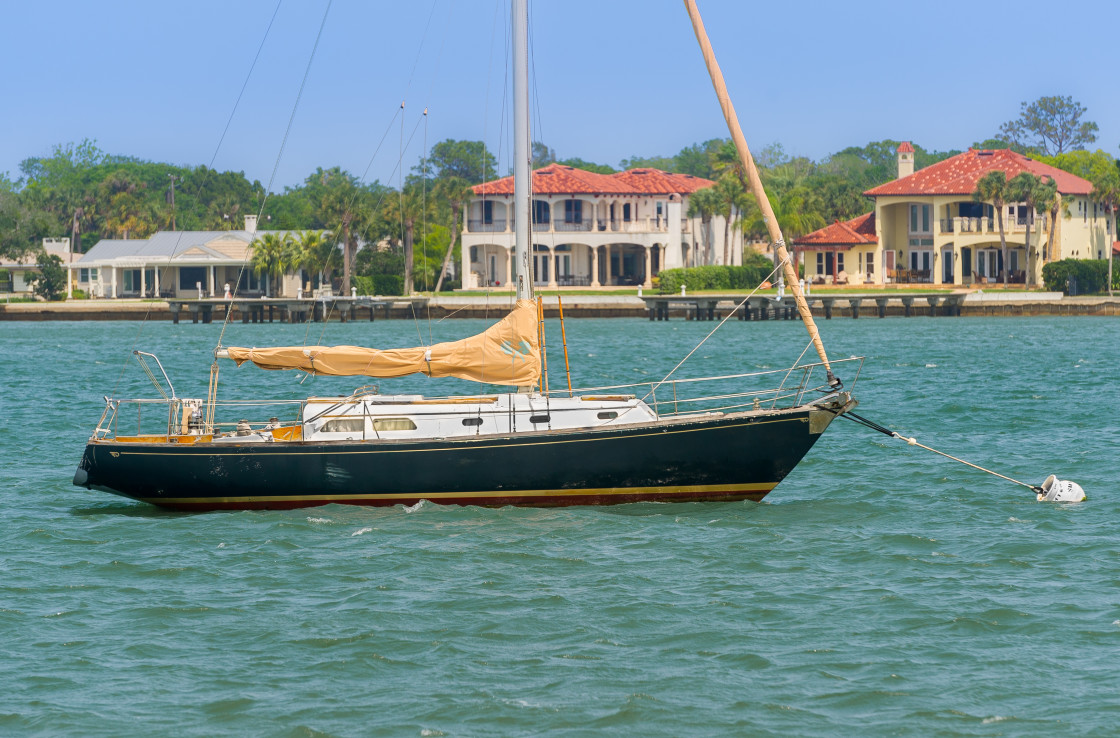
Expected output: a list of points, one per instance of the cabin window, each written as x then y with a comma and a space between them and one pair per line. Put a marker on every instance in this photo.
539, 418
472, 421
344, 425
393, 424
607, 415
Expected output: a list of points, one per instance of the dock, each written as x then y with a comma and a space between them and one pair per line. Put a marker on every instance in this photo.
708, 307
287, 310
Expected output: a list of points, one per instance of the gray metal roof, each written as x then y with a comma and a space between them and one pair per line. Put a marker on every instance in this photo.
165, 244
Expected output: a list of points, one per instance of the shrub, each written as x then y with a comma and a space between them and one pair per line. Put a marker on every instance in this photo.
379, 284
50, 282
745, 277
1077, 276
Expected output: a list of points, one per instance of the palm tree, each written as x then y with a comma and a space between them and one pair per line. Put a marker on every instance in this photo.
273, 255
731, 197
1106, 192
992, 188
456, 191
314, 251
413, 204
1026, 188
704, 204
1050, 202
794, 213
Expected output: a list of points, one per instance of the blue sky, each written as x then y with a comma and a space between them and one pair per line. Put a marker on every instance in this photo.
614, 78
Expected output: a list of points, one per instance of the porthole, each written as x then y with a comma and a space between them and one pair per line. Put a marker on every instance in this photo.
472, 421
538, 418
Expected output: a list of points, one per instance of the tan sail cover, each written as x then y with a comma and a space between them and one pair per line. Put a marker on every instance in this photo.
505, 353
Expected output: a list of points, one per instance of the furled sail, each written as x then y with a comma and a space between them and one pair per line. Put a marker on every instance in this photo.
505, 353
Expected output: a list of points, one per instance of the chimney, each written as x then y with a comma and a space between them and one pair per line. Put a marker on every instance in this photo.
905, 159
250, 224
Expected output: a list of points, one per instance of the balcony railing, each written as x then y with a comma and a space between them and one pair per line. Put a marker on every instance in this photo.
481, 226
571, 225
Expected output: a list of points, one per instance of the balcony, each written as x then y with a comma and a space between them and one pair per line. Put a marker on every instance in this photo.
571, 225
492, 226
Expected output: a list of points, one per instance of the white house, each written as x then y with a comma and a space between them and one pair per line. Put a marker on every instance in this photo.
176, 264
594, 230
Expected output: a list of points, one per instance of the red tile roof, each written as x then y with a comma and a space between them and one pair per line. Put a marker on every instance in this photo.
1116, 248
560, 179
905, 148
959, 174
854, 232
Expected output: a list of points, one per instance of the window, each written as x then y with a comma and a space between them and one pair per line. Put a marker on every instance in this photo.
472, 421
393, 424
190, 276
919, 218
538, 419
870, 261
344, 425
607, 415
540, 211
839, 263
626, 212
488, 212
820, 262
87, 275
573, 211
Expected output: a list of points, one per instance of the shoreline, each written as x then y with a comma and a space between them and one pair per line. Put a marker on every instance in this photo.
598, 306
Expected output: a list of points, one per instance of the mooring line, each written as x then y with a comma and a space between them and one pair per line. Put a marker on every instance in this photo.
867, 423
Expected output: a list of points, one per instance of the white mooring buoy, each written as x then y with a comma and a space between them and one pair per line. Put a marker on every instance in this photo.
1060, 490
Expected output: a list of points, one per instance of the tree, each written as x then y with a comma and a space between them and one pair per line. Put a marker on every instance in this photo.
50, 282
704, 204
1051, 125
1050, 202
1026, 188
314, 251
273, 255
455, 192
469, 160
993, 188
542, 155
731, 199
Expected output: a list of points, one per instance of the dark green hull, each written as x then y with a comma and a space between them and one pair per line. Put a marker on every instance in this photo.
729, 457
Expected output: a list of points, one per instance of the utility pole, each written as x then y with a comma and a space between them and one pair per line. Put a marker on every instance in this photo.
173, 178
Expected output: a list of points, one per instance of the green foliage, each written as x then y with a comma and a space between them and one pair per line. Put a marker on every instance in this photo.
50, 282
470, 160
717, 277
379, 284
1050, 125
1091, 275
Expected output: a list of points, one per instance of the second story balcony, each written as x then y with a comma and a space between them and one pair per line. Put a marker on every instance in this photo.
586, 225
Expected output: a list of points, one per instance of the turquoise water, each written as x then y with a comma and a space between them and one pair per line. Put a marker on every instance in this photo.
879, 589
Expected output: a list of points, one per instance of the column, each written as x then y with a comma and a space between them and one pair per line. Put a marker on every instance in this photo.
210, 282
648, 281
610, 263
113, 277
143, 279
594, 265
509, 268
552, 266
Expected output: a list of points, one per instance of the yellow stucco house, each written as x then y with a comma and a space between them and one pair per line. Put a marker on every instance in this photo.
926, 228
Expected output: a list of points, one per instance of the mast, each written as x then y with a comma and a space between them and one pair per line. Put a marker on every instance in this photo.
522, 194
754, 184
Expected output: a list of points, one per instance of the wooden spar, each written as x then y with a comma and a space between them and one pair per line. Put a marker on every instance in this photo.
754, 183
540, 335
564, 338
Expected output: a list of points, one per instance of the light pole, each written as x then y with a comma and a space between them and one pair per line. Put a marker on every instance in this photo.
173, 178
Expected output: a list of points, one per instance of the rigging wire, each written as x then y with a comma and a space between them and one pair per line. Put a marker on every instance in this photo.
198, 189
280, 153
727, 317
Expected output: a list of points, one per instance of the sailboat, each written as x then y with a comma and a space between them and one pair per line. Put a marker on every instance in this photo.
696, 439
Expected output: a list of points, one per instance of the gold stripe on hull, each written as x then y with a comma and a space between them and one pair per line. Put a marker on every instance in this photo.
710, 491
